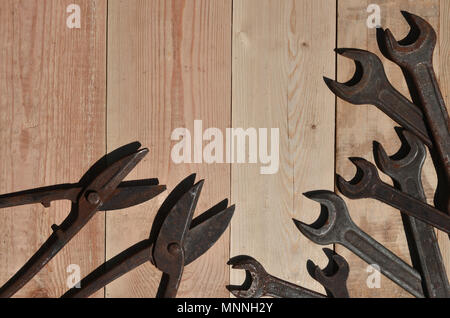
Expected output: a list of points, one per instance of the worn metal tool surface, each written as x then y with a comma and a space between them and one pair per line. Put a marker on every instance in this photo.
128, 193
260, 284
367, 184
175, 241
415, 56
424, 249
370, 85
87, 200
335, 226
335, 283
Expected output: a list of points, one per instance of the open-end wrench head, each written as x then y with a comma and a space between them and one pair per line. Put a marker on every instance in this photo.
362, 185
412, 48
329, 228
369, 77
337, 281
399, 168
255, 271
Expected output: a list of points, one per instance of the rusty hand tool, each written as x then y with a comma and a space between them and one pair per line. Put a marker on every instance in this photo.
89, 199
263, 284
177, 242
259, 283
373, 87
416, 59
338, 228
127, 194
367, 184
425, 253
335, 283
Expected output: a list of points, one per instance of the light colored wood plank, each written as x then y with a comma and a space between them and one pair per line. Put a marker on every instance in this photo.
358, 126
52, 101
311, 115
443, 69
168, 65
278, 64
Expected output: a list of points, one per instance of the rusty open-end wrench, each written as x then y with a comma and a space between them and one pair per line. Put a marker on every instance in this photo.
336, 227
367, 184
371, 86
406, 173
259, 283
416, 59
334, 281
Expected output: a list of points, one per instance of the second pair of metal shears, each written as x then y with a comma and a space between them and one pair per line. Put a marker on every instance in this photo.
175, 241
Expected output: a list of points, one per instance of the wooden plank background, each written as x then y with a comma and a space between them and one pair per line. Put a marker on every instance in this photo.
52, 130
138, 69
277, 82
173, 70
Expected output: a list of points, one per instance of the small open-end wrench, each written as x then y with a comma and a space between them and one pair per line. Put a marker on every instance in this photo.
338, 228
260, 284
417, 60
334, 282
406, 172
367, 184
371, 86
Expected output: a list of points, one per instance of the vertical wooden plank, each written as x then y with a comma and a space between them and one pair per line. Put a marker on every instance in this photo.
444, 82
278, 64
359, 126
52, 119
311, 117
168, 65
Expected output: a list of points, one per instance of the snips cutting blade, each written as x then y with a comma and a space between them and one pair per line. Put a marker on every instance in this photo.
98, 192
175, 241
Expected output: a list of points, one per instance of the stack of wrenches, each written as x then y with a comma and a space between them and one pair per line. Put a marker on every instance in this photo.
425, 123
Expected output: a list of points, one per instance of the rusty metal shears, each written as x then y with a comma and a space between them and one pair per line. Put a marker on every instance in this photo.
104, 191
175, 241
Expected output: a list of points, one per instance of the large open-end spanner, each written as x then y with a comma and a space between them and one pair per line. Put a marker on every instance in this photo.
371, 86
367, 184
259, 283
406, 173
416, 58
338, 228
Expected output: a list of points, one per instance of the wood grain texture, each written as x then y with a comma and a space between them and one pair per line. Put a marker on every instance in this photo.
169, 63
52, 119
278, 64
359, 126
229, 63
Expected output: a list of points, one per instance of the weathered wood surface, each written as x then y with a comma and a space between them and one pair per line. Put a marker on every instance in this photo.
168, 65
52, 119
278, 64
68, 96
